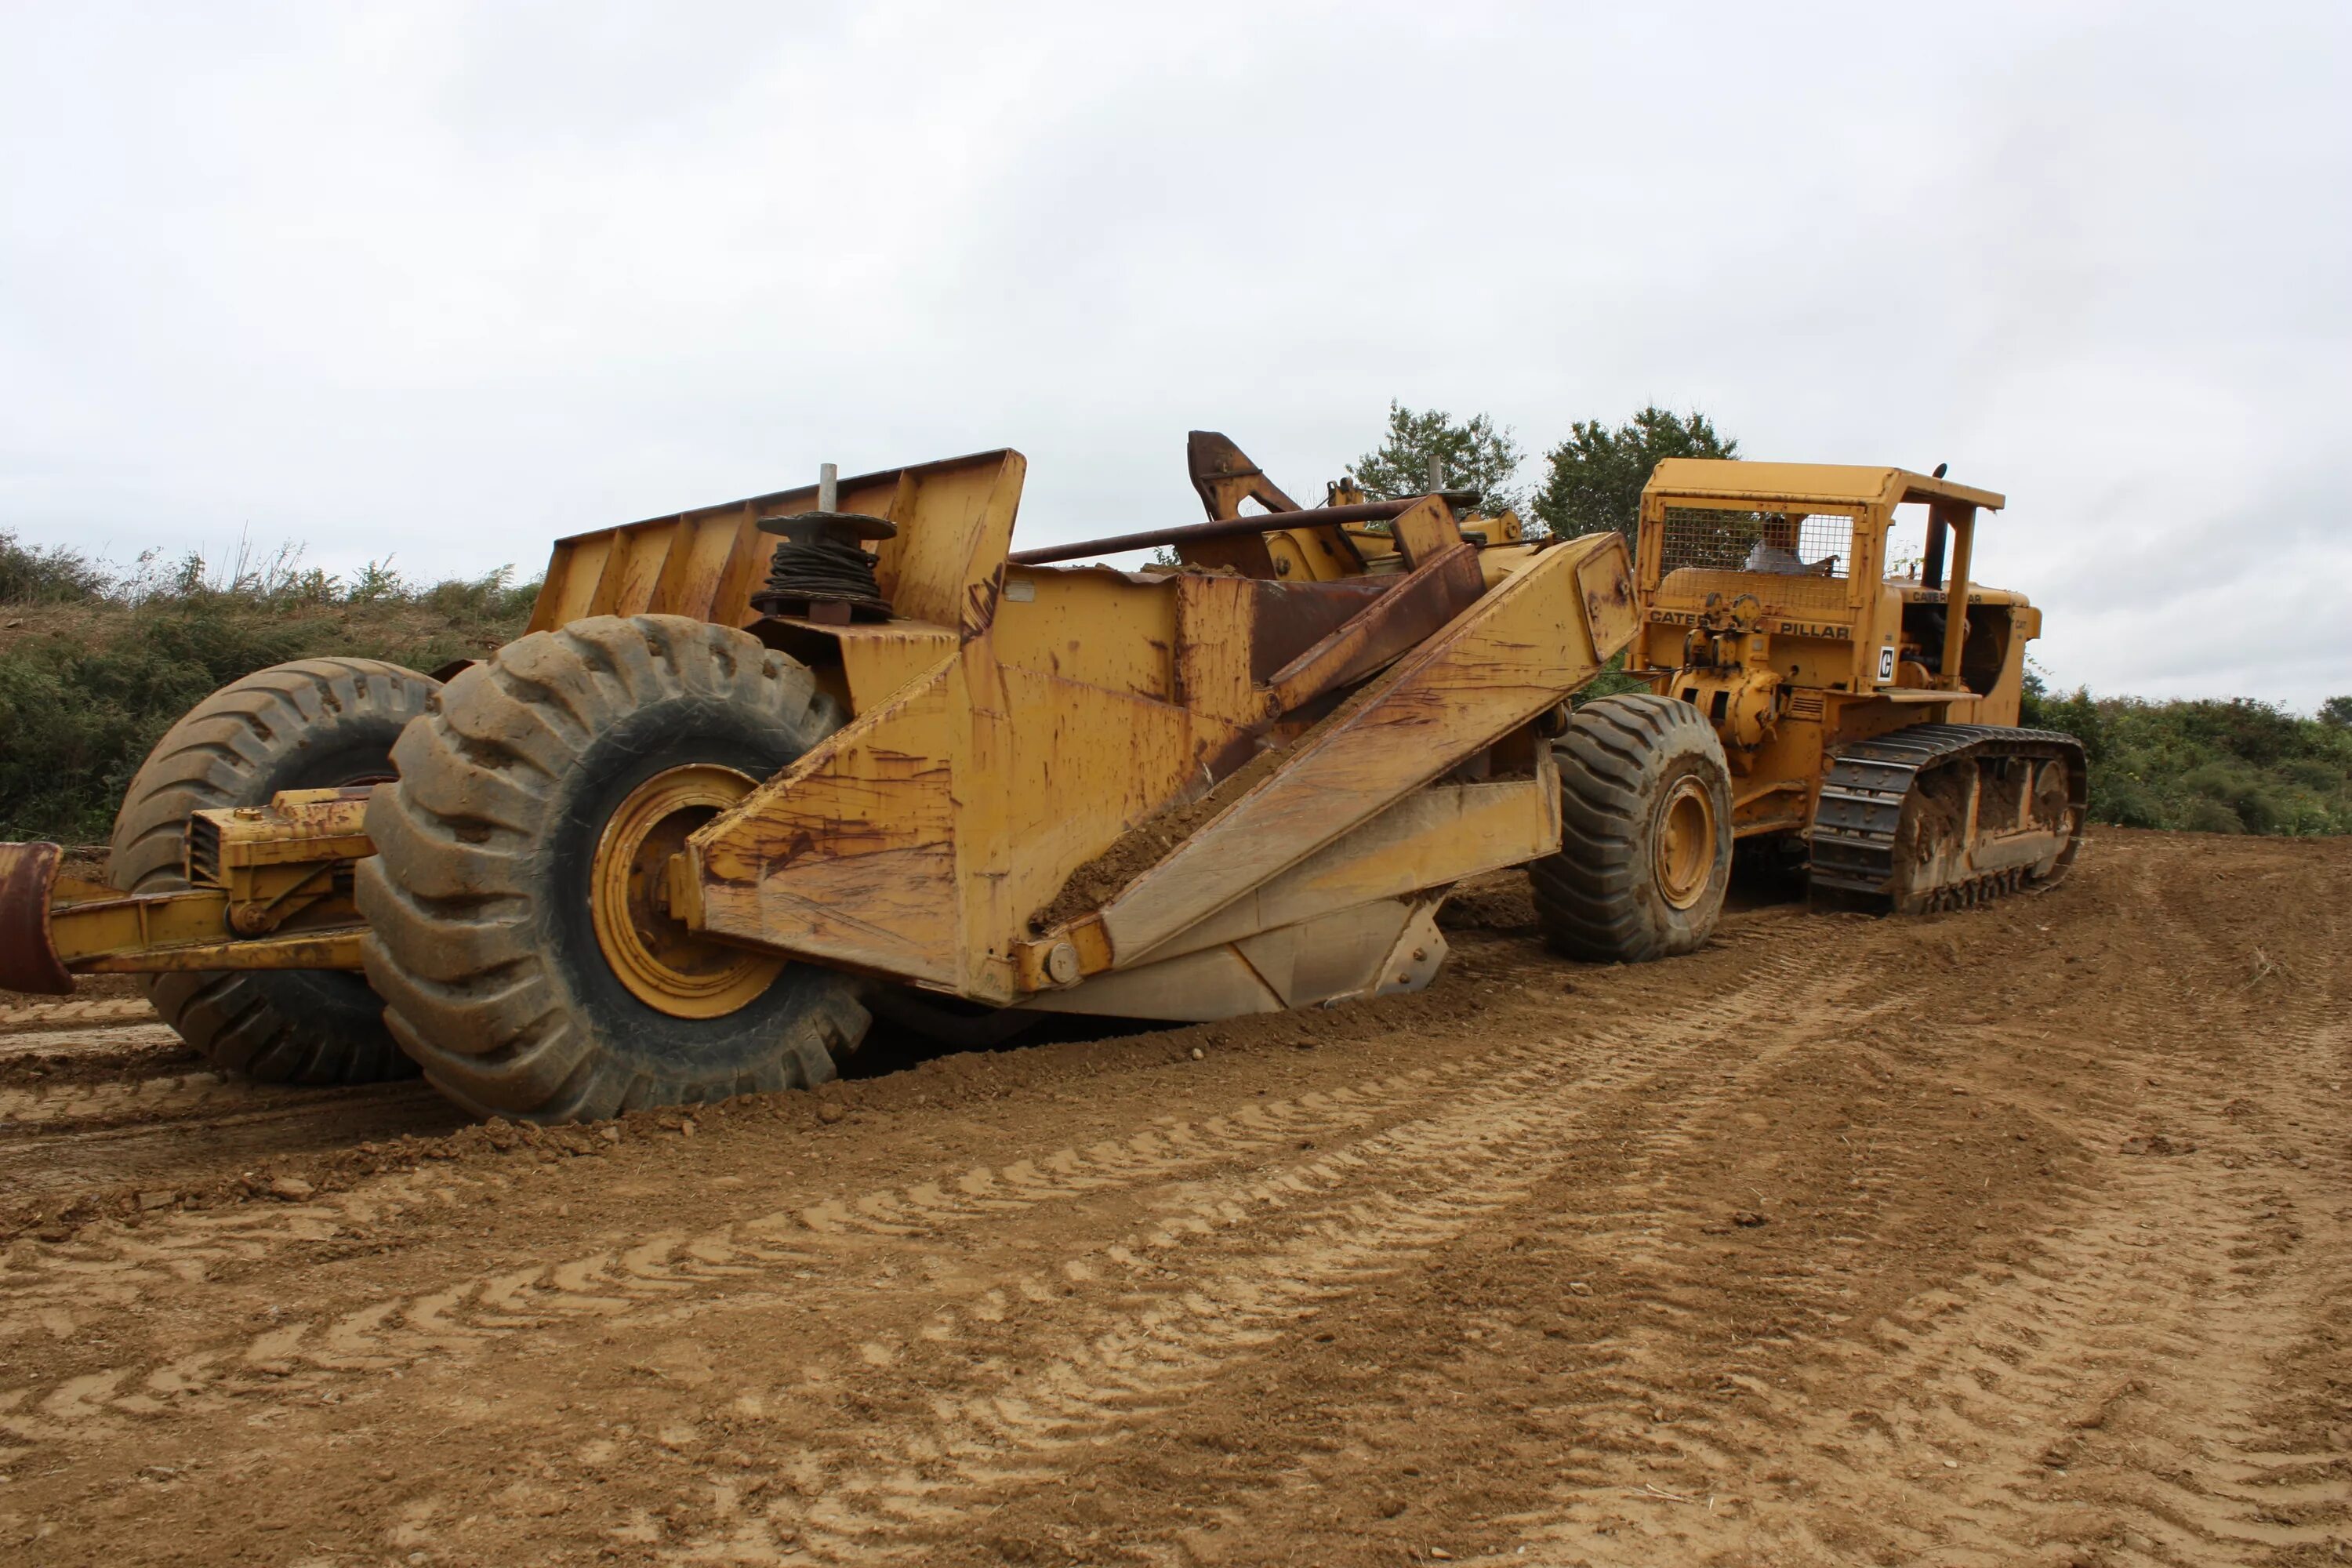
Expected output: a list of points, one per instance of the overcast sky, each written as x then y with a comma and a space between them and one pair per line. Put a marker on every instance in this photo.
443, 281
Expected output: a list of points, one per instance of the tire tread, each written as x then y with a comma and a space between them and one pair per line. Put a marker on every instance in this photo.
1591, 896
222, 754
457, 932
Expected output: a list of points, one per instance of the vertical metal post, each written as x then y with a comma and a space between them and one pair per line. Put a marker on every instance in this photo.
1437, 473
1956, 597
828, 486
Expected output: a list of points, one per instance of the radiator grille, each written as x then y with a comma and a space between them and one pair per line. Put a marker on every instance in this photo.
203, 866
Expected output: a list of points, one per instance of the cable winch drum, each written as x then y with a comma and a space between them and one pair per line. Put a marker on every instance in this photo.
821, 564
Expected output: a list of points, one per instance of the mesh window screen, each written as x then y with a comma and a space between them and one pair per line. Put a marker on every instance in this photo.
1716, 539
1825, 543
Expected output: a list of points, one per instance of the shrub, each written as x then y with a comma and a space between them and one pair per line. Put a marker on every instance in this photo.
2210, 766
80, 709
52, 576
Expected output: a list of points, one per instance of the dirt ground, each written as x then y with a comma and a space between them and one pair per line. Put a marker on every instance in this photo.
2021, 1235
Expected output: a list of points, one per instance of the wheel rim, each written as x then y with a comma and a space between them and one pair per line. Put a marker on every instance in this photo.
1682, 849
665, 963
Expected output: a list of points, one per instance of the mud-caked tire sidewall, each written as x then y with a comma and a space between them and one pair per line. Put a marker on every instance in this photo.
482, 938
315, 723
1619, 760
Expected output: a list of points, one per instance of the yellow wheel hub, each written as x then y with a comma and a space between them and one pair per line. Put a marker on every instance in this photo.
1683, 848
664, 963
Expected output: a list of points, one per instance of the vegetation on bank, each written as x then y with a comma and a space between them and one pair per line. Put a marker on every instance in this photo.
95, 665
2208, 765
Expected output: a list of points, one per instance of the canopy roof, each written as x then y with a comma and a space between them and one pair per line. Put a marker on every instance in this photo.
1842, 484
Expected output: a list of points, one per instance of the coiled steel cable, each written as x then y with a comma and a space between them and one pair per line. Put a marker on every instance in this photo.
820, 560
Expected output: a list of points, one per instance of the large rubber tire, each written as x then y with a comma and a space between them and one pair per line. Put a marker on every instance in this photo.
481, 926
1624, 766
315, 723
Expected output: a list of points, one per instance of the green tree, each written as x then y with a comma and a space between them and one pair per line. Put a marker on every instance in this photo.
2337, 710
1476, 456
1593, 479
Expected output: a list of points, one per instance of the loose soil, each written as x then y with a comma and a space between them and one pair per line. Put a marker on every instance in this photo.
2022, 1235
1147, 843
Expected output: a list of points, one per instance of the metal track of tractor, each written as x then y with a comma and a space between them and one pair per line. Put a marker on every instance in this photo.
1862, 803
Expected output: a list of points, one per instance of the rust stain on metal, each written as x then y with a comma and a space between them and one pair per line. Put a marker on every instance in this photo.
1424, 529
1414, 610
1251, 526
1288, 618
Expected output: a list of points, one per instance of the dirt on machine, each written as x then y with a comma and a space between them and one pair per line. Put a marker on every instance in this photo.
758, 772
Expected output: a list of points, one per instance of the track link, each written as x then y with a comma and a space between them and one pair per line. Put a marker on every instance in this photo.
1858, 819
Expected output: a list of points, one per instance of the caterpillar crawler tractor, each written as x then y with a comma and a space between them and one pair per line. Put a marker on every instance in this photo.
1869, 730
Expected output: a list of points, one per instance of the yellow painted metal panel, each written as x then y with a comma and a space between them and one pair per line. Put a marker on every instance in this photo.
1071, 767
1422, 602
1105, 628
633, 567
918, 841
696, 566
948, 553
571, 584
1211, 633
1727, 479
955, 522
1424, 532
1377, 948
849, 855
1431, 837
879, 660
1612, 616
1215, 983
1522, 648
1340, 953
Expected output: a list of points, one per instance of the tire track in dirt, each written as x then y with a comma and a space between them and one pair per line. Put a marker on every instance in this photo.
95, 1105
298, 1359
1955, 1396
1107, 1381
1627, 1237
117, 1268
193, 1133
651, 1269
88, 1013
90, 1106
2152, 1351
987, 1406
1504, 1300
1966, 1342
